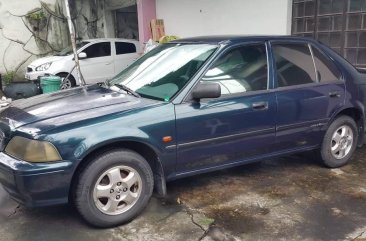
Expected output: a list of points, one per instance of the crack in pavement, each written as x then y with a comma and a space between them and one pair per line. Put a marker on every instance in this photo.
360, 235
204, 234
14, 212
205, 231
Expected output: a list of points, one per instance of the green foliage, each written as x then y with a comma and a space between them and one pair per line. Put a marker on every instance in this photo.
206, 221
37, 16
8, 77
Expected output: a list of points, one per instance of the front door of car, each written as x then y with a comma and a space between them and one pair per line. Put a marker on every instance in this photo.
99, 64
235, 127
309, 91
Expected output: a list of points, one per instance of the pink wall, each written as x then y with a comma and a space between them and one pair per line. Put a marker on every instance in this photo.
146, 10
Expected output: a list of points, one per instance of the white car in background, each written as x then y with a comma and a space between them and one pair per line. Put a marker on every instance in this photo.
100, 59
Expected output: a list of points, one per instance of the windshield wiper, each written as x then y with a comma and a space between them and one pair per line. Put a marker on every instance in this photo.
107, 82
128, 90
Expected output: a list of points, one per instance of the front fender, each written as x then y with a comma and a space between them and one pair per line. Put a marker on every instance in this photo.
85, 147
148, 125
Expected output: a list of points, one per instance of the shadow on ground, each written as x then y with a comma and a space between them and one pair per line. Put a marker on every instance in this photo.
291, 198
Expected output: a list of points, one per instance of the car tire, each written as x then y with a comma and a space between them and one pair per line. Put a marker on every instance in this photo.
68, 83
340, 142
113, 188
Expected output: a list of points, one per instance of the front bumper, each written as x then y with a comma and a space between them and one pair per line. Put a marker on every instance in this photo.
35, 74
36, 185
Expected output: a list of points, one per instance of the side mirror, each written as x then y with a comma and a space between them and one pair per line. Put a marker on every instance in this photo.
206, 90
82, 55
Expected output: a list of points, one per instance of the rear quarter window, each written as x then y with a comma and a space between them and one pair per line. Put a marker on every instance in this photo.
125, 48
326, 69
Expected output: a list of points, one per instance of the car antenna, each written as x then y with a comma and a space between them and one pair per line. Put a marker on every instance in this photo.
73, 43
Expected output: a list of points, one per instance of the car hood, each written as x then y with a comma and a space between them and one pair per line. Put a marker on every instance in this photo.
70, 106
45, 60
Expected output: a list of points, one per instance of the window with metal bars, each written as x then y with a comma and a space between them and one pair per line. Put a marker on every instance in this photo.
340, 24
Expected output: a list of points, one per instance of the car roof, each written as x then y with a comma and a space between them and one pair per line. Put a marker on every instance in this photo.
219, 39
109, 39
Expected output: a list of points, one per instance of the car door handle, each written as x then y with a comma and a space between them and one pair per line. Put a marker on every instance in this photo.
335, 94
262, 105
108, 63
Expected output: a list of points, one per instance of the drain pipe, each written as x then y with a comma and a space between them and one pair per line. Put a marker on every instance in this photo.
73, 42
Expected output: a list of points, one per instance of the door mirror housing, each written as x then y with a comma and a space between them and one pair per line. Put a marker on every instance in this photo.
82, 55
206, 90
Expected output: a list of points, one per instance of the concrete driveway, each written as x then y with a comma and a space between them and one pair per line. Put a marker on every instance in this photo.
292, 198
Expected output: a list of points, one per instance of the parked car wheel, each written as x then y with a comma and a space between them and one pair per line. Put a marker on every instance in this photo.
68, 83
113, 188
340, 142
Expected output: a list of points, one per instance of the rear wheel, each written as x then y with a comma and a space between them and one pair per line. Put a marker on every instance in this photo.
67, 83
114, 188
340, 142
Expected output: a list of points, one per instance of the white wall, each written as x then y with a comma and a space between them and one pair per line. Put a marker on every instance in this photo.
186, 18
18, 46
15, 54
182, 17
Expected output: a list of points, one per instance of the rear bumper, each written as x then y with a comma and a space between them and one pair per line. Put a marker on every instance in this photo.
36, 185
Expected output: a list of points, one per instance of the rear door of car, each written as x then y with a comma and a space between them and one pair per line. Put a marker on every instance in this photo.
126, 53
309, 90
99, 65
239, 125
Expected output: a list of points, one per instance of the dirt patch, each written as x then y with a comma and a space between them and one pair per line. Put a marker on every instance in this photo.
238, 219
358, 193
210, 189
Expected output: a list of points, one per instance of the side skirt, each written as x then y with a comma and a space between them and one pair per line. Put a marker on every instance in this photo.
175, 176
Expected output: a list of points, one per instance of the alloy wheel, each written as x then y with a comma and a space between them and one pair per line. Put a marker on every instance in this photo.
342, 141
117, 190
66, 84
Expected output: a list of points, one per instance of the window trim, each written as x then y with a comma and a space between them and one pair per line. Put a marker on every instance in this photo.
313, 59
291, 87
188, 97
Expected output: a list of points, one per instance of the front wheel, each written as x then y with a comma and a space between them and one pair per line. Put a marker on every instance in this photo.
339, 142
67, 83
114, 188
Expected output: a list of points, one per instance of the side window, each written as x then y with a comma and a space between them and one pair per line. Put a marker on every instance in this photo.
125, 48
98, 50
294, 64
326, 70
240, 70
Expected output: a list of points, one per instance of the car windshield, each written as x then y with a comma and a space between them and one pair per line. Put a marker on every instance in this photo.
164, 71
69, 50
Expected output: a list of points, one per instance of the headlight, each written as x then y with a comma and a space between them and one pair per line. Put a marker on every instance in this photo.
44, 67
32, 150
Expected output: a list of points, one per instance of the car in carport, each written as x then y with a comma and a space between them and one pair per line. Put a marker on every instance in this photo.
187, 107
